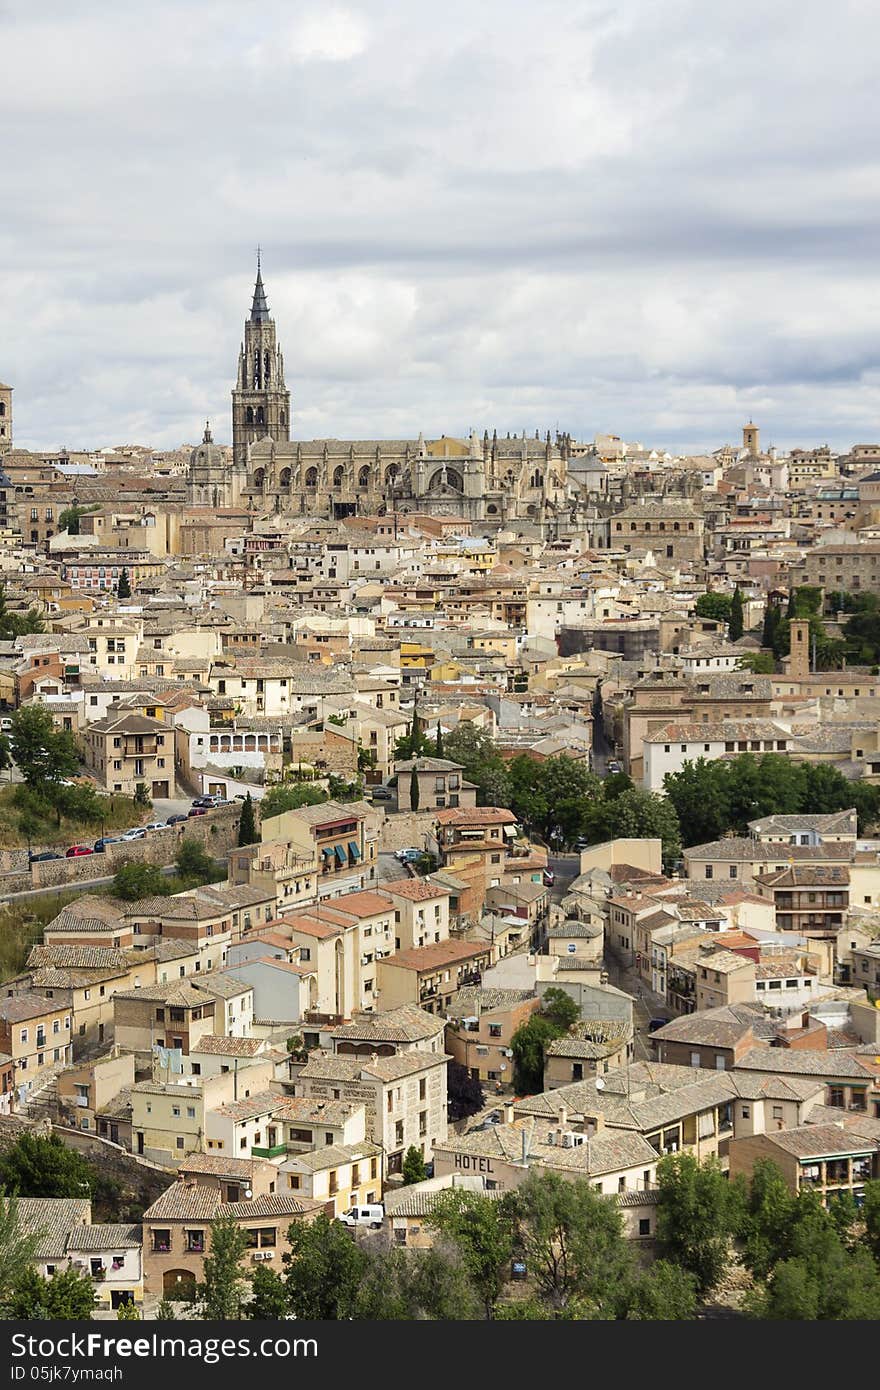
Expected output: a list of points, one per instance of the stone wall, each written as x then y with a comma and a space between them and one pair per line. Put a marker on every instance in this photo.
405, 828
217, 832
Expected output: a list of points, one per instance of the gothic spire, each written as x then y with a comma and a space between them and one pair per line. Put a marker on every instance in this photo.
259, 308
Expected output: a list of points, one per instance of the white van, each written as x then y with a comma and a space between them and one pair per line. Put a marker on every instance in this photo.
372, 1215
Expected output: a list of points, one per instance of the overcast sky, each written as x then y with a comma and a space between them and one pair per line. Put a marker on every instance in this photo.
656, 218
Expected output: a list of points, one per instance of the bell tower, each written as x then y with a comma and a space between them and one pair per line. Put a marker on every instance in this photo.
260, 400
5, 417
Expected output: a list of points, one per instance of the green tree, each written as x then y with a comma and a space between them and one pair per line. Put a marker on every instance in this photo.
43, 754
552, 797
193, 862
573, 1243
135, 880
68, 1296
871, 1217
128, 1312
481, 763
220, 1294
269, 1301
735, 626
698, 795
414, 1169
142, 796
529, 1047
560, 1008
759, 663
464, 1093
39, 1165
123, 588
664, 1293
483, 1232
768, 1218
693, 1220
639, 815
771, 623
17, 1247
715, 607
323, 1270
247, 826
441, 1287
438, 742
14, 625
414, 788
5, 753
290, 796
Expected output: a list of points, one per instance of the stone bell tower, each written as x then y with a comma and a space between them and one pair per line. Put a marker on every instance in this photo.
5, 417
260, 401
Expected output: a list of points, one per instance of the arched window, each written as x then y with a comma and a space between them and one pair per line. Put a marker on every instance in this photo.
619, 526
364, 477
676, 526
2, 407
537, 479
249, 415
259, 477
283, 418
338, 475
284, 480
632, 525
311, 477
266, 368
647, 525
690, 526
261, 415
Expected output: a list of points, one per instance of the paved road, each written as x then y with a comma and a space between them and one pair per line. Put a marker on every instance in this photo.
390, 868
163, 807
566, 868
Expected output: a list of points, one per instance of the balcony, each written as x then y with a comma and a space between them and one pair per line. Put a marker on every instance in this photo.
274, 1151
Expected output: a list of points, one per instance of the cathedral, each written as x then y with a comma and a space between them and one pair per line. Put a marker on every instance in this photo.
492, 480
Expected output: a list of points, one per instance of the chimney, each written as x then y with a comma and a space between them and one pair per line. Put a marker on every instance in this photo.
507, 1114
594, 1124
561, 1116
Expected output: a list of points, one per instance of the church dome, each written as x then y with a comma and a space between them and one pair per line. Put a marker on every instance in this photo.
207, 454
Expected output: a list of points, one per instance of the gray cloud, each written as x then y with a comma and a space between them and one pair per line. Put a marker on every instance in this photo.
656, 219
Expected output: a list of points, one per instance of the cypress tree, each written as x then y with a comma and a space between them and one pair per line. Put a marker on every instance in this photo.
123, 588
247, 826
439, 740
414, 786
735, 627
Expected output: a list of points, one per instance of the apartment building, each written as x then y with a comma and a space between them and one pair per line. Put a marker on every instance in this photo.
36, 1034
430, 975
828, 1159
130, 750
480, 1025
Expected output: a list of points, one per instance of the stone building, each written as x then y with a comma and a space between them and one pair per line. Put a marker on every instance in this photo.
493, 480
5, 417
211, 479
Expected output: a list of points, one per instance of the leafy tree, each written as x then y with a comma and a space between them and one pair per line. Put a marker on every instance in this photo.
573, 1243
165, 1311
464, 1093
615, 784
715, 607
768, 1218
735, 627
290, 796
142, 796
560, 1008
193, 861
441, 1287
323, 1270
123, 587
247, 826
483, 1231
438, 742
481, 763
14, 625
127, 1312
664, 1293
269, 1301
219, 1296
135, 880
529, 1047
17, 1247
39, 1165
871, 1217
414, 793
43, 754
5, 753
760, 663
637, 814
693, 1221
414, 1169
552, 797
69, 1295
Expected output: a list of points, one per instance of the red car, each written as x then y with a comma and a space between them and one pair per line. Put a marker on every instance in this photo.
198, 811
76, 850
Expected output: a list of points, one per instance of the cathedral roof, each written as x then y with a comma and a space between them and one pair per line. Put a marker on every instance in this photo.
259, 308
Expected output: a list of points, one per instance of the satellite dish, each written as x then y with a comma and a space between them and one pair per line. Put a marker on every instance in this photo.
600, 1083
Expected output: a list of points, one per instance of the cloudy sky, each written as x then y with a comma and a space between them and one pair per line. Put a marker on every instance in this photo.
651, 217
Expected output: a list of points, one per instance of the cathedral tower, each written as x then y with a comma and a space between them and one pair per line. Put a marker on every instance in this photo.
260, 401
5, 417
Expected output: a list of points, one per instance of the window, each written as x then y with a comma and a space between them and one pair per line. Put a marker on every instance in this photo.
644, 1225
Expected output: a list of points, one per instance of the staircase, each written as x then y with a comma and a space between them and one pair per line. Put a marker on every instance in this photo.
42, 1101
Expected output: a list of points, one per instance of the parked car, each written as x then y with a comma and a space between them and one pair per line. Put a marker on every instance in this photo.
614, 765
380, 793
5, 726
655, 1023
45, 854
137, 832
101, 845
372, 1215
549, 878
406, 856
155, 825
76, 850
209, 801
175, 820
196, 811
580, 844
